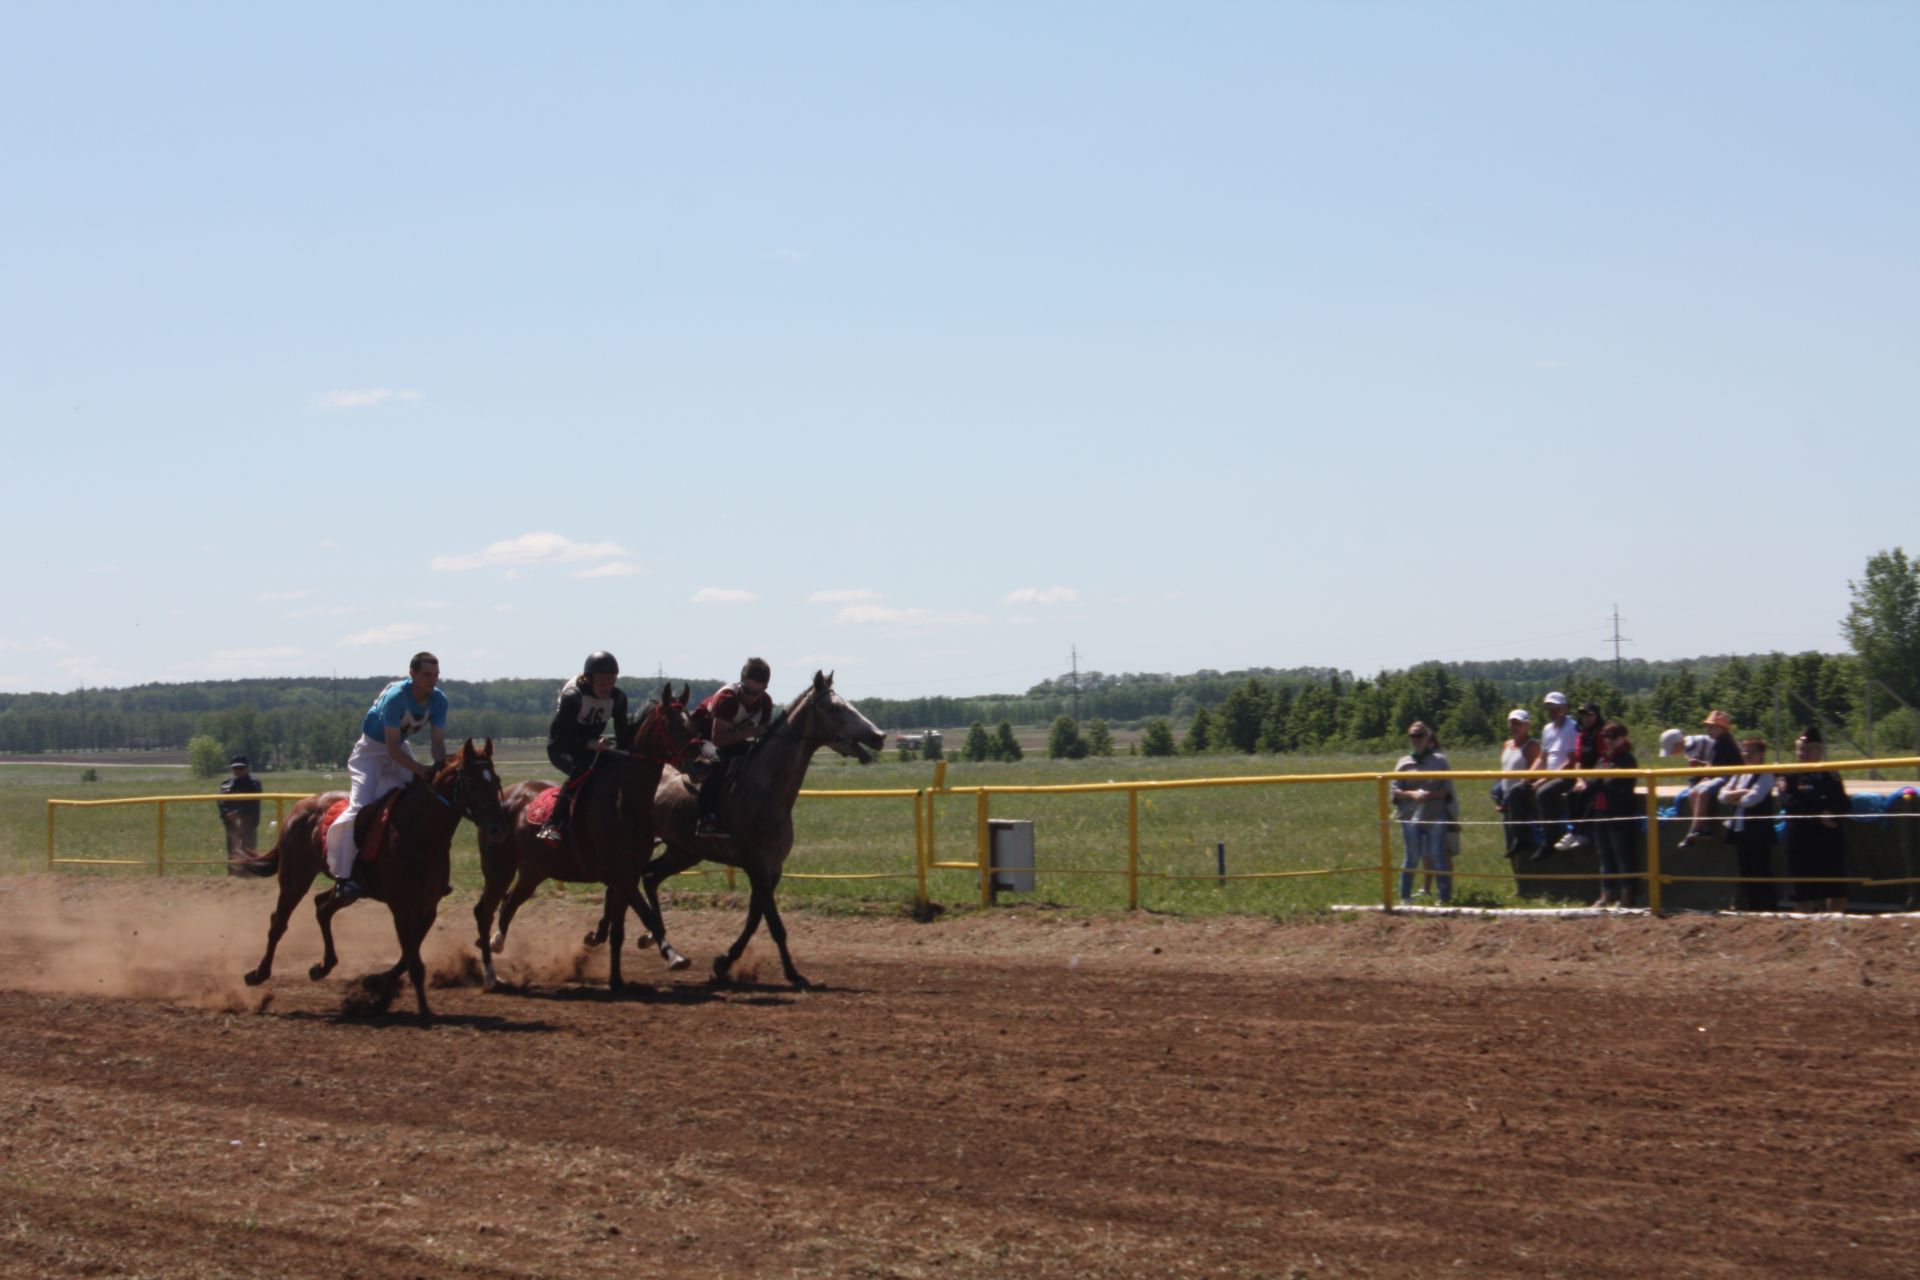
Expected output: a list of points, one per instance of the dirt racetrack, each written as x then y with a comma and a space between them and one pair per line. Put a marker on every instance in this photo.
1022, 1092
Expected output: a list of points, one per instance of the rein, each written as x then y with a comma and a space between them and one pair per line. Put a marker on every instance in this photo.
662, 752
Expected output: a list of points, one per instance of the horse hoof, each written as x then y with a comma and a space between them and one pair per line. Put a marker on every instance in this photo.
799, 983
676, 961
253, 977
317, 972
644, 941
499, 942
591, 940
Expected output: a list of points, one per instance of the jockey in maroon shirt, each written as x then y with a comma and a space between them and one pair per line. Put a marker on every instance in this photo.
731, 720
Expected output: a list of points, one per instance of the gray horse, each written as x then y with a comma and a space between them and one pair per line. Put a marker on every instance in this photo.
758, 811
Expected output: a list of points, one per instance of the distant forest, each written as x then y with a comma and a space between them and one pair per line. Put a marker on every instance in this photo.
302, 722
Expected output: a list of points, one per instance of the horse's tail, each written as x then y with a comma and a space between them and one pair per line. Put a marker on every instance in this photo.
257, 864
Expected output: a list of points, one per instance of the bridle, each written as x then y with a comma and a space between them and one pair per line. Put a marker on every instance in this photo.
656, 744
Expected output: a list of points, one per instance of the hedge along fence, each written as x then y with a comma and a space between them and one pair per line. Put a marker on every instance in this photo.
925, 803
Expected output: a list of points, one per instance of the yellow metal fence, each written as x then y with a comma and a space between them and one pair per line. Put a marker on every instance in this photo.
926, 856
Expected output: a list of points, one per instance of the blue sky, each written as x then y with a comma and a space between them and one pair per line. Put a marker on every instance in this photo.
927, 342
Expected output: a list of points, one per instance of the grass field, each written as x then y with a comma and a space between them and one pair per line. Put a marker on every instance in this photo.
1081, 838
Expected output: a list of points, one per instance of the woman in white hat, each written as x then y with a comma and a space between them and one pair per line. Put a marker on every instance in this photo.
1513, 797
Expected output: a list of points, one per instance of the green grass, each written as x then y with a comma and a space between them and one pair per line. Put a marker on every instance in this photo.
1081, 839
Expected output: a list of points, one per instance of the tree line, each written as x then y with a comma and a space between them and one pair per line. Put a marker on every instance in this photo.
312, 722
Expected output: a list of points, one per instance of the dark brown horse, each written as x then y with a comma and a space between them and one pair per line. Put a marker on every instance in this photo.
411, 873
758, 811
608, 840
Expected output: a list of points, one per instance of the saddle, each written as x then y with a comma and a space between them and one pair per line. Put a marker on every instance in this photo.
370, 827
540, 808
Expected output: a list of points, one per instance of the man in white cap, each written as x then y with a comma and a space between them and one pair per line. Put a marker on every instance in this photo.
1559, 738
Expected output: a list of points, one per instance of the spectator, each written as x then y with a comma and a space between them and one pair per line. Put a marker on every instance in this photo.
1816, 845
1723, 752
1612, 809
1751, 796
1513, 797
1424, 811
241, 818
1588, 748
1558, 738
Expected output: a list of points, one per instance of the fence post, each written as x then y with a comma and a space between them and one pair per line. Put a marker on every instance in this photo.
983, 847
49, 835
160, 839
1386, 844
1133, 849
1653, 844
920, 848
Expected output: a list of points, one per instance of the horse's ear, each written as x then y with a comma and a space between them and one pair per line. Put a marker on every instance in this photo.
666, 693
686, 692
466, 752
822, 681
488, 751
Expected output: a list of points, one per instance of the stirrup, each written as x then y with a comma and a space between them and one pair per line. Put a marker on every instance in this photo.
549, 832
348, 890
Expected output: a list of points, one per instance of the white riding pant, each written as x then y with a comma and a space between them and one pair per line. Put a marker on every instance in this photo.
375, 775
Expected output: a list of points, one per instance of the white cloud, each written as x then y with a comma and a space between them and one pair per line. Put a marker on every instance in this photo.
850, 595
1043, 595
612, 569
393, 633
39, 644
529, 548
871, 614
325, 611
1020, 620
366, 399
268, 654
270, 597
723, 595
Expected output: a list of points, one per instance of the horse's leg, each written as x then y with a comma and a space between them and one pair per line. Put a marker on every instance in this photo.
614, 920
605, 925
296, 877
777, 928
413, 932
524, 884
756, 907
670, 863
491, 893
323, 908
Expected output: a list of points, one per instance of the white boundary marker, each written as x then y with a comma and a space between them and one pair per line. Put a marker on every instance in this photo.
1587, 913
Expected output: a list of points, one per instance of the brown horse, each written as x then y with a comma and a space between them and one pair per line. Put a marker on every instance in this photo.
607, 842
410, 875
758, 811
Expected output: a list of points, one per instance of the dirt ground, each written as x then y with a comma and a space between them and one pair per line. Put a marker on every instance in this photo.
1020, 1092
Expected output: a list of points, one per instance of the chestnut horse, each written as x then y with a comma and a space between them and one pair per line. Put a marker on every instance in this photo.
608, 840
758, 811
411, 873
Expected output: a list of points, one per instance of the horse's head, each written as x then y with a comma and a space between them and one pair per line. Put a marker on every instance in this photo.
663, 733
470, 782
824, 717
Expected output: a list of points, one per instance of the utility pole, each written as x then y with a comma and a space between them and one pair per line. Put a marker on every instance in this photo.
1076, 683
1618, 640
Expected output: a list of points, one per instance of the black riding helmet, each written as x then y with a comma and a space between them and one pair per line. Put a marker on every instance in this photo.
601, 662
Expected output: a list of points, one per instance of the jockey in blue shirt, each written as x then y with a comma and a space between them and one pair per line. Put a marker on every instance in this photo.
382, 761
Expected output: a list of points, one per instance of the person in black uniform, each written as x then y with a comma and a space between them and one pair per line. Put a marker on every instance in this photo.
1814, 803
240, 817
587, 703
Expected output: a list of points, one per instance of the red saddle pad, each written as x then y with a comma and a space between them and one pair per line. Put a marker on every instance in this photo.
377, 828
540, 808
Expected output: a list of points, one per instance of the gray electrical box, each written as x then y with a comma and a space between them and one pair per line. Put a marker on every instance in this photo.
1010, 846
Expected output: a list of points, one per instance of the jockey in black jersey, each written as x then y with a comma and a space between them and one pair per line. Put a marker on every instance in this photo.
587, 703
